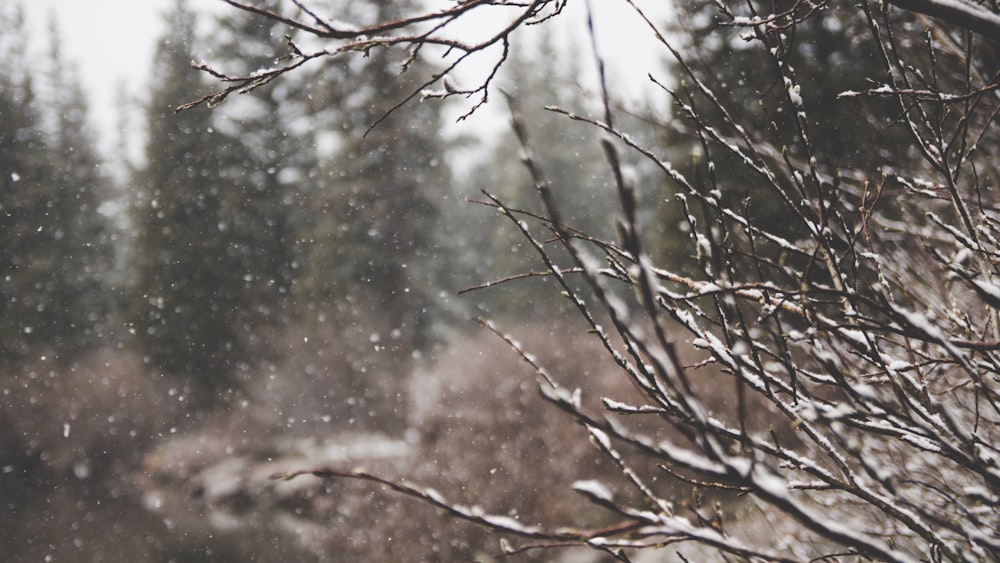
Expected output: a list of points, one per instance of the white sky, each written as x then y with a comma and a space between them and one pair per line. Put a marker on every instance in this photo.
112, 42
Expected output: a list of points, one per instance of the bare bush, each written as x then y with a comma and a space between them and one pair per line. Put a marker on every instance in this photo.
72, 434
88, 419
868, 323
328, 377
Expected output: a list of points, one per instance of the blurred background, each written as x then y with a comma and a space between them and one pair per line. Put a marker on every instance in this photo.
192, 302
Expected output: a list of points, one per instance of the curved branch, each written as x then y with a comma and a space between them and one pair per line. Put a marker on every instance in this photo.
957, 12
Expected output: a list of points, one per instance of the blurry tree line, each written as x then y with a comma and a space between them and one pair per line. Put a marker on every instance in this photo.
56, 243
284, 207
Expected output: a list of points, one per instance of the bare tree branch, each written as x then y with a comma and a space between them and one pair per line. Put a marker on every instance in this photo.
962, 13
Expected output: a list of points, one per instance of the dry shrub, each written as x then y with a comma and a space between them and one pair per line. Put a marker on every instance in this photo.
70, 435
328, 378
490, 439
480, 432
92, 418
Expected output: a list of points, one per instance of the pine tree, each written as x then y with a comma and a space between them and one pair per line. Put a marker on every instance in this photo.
371, 266
54, 249
190, 305
87, 254
271, 158
23, 174
372, 253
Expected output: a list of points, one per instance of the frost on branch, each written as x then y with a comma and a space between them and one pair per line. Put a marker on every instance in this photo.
823, 366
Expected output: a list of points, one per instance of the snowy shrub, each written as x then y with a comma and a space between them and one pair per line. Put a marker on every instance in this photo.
856, 329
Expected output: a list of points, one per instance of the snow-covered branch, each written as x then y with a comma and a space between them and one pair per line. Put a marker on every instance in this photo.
828, 351
962, 13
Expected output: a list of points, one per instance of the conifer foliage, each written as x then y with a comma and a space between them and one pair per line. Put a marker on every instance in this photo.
370, 264
52, 270
270, 158
373, 243
189, 306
